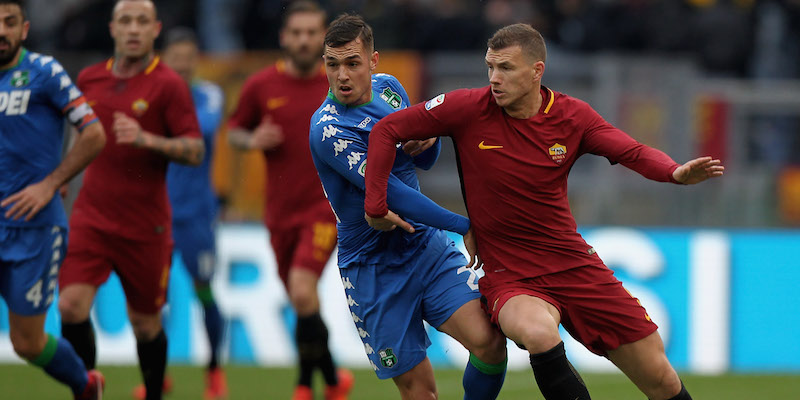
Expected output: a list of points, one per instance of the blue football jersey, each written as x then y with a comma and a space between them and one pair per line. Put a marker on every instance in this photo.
35, 97
338, 139
189, 188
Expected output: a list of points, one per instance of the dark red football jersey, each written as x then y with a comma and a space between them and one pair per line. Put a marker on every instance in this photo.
514, 173
124, 191
293, 193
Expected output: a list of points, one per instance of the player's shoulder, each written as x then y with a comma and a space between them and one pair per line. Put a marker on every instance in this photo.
97, 69
159, 71
384, 79
564, 105
328, 121
35, 66
388, 88
39, 61
463, 99
263, 76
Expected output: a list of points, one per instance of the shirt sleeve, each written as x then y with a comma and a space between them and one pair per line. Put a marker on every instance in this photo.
180, 113
66, 97
346, 154
247, 114
426, 159
440, 116
603, 139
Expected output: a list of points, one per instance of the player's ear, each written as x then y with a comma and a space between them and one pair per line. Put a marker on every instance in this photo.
158, 28
25, 27
373, 61
538, 70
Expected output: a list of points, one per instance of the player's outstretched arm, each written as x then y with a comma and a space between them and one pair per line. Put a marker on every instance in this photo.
698, 170
182, 150
30, 200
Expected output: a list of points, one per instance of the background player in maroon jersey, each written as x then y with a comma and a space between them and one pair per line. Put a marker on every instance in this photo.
121, 220
517, 141
273, 115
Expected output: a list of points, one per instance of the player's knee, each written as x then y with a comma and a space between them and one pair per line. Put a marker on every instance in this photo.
666, 381
27, 346
538, 339
416, 389
145, 328
72, 309
304, 298
489, 346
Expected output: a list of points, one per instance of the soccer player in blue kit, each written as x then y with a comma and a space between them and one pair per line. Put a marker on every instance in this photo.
396, 279
35, 97
194, 204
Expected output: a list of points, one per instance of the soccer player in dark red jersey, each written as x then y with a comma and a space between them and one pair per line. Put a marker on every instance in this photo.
121, 220
273, 115
516, 141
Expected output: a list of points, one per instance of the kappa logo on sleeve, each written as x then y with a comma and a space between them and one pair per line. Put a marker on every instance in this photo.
436, 101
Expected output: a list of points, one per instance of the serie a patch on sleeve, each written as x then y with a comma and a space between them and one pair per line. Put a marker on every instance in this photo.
434, 102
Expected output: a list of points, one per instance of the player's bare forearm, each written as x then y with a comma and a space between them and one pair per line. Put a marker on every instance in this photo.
240, 139
86, 147
30, 200
189, 151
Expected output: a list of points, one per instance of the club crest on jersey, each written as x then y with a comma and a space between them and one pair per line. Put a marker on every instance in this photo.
388, 359
20, 78
558, 153
362, 169
392, 98
434, 102
140, 106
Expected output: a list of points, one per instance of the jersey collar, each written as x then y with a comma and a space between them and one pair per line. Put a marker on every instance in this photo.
333, 97
147, 71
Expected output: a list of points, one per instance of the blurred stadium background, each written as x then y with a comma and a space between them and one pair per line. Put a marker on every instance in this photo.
715, 264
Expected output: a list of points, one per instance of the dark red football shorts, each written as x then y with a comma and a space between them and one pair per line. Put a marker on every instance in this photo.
595, 309
142, 267
308, 246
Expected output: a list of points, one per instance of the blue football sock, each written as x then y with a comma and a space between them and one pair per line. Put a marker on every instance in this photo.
483, 381
61, 362
214, 324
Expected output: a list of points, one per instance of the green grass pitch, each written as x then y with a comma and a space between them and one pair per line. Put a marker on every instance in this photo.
25, 382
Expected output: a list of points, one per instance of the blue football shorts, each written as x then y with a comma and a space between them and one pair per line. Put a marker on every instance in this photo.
389, 304
29, 262
194, 241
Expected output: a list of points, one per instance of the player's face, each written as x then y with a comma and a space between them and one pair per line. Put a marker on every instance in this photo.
13, 30
182, 57
302, 39
134, 28
513, 77
349, 69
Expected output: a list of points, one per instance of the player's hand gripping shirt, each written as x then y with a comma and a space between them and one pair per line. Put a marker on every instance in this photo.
124, 190
514, 173
338, 139
189, 188
35, 96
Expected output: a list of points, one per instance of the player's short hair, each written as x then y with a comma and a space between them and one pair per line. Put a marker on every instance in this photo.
303, 6
523, 35
20, 3
180, 34
348, 27
155, 9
